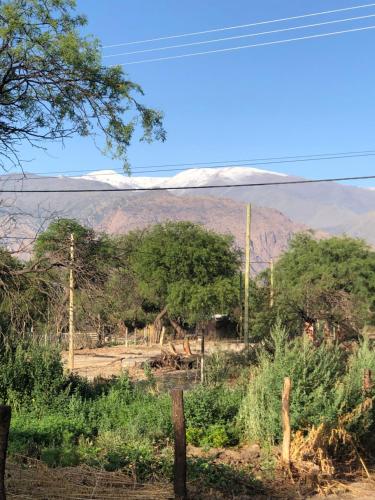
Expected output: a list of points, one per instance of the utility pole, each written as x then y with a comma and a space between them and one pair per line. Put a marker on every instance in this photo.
71, 306
247, 274
271, 284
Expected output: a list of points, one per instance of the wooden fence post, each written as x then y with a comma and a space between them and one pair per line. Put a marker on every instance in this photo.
202, 357
285, 454
367, 381
187, 348
179, 477
5, 414
162, 334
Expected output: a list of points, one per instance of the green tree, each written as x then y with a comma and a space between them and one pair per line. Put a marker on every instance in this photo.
187, 272
331, 279
54, 243
93, 260
53, 84
23, 298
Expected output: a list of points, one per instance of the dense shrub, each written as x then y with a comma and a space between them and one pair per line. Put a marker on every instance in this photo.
121, 424
326, 383
31, 374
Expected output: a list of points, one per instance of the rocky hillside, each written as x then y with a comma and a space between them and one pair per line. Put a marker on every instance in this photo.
331, 207
118, 213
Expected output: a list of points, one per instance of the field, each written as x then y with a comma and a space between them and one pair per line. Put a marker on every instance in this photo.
112, 361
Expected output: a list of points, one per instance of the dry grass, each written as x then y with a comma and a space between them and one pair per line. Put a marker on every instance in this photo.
324, 455
325, 446
31, 479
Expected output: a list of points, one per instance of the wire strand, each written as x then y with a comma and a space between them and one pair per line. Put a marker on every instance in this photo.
168, 167
180, 188
240, 26
248, 35
241, 47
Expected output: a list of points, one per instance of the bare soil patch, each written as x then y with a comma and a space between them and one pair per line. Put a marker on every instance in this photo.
109, 361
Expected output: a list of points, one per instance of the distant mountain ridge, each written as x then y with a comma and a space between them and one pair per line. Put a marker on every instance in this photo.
331, 207
121, 212
279, 211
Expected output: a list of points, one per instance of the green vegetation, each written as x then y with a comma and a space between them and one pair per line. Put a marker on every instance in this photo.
177, 272
187, 269
119, 424
330, 280
55, 85
327, 385
115, 424
183, 274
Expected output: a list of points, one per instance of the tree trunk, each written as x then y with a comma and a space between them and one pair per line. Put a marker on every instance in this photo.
180, 331
158, 323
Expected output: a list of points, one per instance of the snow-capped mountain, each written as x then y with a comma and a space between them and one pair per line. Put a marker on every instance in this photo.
331, 207
189, 177
118, 212
118, 180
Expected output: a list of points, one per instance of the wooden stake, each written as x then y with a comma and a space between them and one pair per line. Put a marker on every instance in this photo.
202, 357
5, 415
71, 306
367, 381
285, 454
162, 334
179, 444
247, 274
187, 349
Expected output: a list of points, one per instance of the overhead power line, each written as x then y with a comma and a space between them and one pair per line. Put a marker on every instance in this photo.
240, 26
241, 47
170, 167
180, 188
248, 35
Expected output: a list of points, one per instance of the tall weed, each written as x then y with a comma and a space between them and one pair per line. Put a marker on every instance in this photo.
314, 372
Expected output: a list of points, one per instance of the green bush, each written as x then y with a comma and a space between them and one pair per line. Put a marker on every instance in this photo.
210, 405
326, 384
222, 366
31, 374
315, 372
216, 436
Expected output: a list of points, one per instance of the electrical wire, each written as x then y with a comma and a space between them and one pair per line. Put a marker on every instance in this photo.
248, 35
240, 26
180, 188
241, 47
169, 167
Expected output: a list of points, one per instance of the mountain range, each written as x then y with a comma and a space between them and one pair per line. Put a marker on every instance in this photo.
278, 211
331, 207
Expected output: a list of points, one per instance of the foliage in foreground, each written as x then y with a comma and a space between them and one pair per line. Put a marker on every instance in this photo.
112, 424
55, 85
326, 384
119, 424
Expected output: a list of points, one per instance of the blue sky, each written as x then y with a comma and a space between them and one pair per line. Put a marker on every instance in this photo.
306, 97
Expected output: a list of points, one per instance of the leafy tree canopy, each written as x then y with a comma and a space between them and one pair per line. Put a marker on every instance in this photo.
53, 84
331, 279
187, 269
93, 254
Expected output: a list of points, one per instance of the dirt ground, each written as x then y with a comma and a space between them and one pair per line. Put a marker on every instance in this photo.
111, 361
30, 479
278, 486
